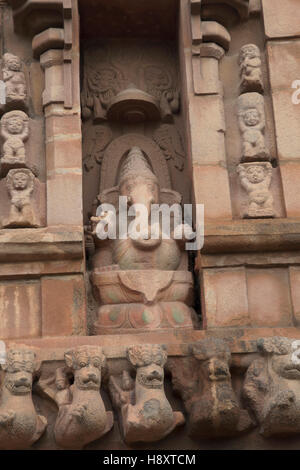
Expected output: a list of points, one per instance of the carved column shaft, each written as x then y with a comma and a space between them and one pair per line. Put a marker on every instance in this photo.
58, 50
204, 107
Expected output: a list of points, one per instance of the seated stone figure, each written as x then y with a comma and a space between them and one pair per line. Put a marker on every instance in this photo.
272, 387
143, 281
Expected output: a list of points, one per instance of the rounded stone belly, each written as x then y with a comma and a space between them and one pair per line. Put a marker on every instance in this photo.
165, 256
152, 419
23, 429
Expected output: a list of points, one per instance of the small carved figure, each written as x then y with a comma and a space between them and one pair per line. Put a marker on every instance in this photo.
14, 131
81, 417
169, 140
20, 185
159, 84
99, 89
146, 414
14, 79
250, 69
204, 383
20, 425
272, 387
97, 138
252, 125
256, 180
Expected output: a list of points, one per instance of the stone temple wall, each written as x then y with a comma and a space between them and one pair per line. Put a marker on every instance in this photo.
139, 343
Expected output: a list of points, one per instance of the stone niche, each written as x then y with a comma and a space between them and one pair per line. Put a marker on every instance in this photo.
132, 117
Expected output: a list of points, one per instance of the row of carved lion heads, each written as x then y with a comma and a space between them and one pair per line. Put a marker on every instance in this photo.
270, 396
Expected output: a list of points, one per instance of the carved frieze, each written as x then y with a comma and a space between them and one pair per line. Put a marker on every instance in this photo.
132, 87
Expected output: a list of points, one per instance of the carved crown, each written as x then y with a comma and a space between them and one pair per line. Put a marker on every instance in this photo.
141, 355
84, 355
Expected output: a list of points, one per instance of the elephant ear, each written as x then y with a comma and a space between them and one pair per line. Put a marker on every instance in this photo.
110, 196
168, 196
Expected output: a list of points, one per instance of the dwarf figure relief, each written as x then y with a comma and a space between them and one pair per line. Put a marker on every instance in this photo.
81, 417
251, 115
204, 383
256, 178
14, 79
250, 69
272, 387
146, 414
14, 131
20, 185
20, 425
159, 84
142, 279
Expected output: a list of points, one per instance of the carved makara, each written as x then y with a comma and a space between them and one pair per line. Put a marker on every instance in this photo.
142, 280
82, 417
20, 425
145, 413
251, 114
250, 69
256, 179
15, 82
204, 383
272, 387
20, 185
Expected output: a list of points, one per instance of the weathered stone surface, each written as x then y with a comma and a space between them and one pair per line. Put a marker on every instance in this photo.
256, 179
225, 297
271, 387
82, 417
67, 317
204, 383
252, 126
146, 414
281, 22
216, 203
250, 69
21, 426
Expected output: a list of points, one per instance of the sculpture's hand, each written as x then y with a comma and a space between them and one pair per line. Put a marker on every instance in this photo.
284, 399
7, 417
78, 412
